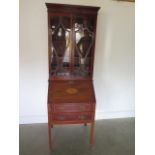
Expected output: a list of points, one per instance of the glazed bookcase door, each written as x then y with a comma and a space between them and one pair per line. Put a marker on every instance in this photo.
60, 56
84, 37
72, 41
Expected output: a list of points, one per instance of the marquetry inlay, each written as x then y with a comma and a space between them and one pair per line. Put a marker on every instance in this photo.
71, 91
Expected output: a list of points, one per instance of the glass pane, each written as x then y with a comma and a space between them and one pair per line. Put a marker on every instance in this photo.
91, 24
61, 45
84, 38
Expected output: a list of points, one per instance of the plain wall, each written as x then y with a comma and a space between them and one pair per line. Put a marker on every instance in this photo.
114, 59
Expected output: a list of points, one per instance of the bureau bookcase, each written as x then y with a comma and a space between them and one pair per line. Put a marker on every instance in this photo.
71, 47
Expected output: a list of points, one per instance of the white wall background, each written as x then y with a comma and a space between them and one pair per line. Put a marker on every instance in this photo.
114, 59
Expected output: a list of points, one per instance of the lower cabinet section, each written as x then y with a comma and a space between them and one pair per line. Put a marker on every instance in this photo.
71, 113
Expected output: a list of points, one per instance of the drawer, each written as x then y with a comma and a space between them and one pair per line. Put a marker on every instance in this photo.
72, 117
74, 107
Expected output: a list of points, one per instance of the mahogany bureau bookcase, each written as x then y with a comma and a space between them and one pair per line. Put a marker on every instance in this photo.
71, 44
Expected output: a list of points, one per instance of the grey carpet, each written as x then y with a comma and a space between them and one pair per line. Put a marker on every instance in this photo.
112, 137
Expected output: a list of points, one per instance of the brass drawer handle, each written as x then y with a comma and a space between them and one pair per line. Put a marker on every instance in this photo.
82, 107
61, 118
82, 117
61, 108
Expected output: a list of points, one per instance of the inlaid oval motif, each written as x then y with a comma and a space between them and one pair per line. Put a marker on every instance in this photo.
71, 91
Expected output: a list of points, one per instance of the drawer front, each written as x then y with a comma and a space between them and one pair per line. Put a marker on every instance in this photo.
72, 117
85, 107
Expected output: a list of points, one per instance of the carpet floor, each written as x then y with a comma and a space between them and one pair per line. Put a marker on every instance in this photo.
112, 137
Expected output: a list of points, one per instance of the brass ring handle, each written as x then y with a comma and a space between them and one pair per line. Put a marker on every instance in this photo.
82, 117
82, 107
61, 108
61, 118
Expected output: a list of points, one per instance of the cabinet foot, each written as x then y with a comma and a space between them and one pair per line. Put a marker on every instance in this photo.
92, 134
49, 136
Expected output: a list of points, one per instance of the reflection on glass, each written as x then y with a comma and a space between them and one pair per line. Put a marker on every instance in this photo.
84, 41
60, 56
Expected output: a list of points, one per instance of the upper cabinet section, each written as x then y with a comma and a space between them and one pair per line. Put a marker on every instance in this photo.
71, 35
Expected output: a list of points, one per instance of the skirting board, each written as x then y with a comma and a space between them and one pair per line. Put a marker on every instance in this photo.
114, 114
32, 119
99, 115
